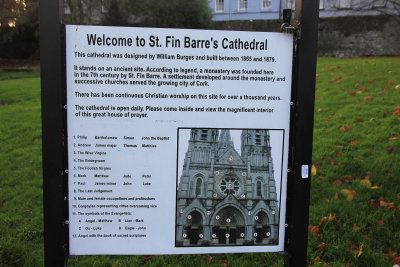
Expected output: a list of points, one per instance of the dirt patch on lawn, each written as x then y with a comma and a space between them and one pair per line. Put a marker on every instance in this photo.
19, 64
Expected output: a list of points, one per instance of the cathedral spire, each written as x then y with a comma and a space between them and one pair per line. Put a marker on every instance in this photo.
225, 139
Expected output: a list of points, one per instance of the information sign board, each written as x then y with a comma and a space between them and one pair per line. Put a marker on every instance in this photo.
177, 140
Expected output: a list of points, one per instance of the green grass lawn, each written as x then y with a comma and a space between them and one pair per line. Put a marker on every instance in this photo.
21, 207
355, 194
356, 154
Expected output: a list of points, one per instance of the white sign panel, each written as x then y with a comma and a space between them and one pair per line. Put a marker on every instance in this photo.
177, 140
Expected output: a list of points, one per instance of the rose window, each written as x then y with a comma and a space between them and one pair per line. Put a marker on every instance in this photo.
229, 185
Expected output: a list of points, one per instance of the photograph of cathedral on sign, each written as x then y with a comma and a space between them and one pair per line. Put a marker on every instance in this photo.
228, 196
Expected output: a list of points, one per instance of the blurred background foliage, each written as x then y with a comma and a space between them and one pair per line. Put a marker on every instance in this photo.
19, 28
19, 21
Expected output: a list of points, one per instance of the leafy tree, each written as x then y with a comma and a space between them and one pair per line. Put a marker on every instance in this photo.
179, 14
82, 11
114, 16
9, 11
154, 13
384, 7
22, 39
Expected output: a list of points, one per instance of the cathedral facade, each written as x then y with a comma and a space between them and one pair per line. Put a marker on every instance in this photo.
226, 198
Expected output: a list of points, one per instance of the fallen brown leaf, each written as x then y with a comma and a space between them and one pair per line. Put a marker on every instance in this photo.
373, 203
322, 220
321, 246
391, 206
313, 170
390, 253
314, 229
360, 251
368, 98
315, 260
396, 260
365, 237
349, 194
366, 182
337, 182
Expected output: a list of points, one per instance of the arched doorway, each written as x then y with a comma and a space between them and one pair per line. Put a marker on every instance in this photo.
229, 226
262, 230
194, 227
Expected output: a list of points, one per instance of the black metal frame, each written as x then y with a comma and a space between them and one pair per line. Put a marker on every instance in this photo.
55, 182
54, 150
305, 27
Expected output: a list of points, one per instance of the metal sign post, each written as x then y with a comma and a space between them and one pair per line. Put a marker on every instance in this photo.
53, 127
298, 187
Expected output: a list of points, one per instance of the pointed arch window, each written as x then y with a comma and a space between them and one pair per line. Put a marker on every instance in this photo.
259, 186
199, 183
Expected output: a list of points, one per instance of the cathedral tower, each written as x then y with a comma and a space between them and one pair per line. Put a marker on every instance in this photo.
223, 197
